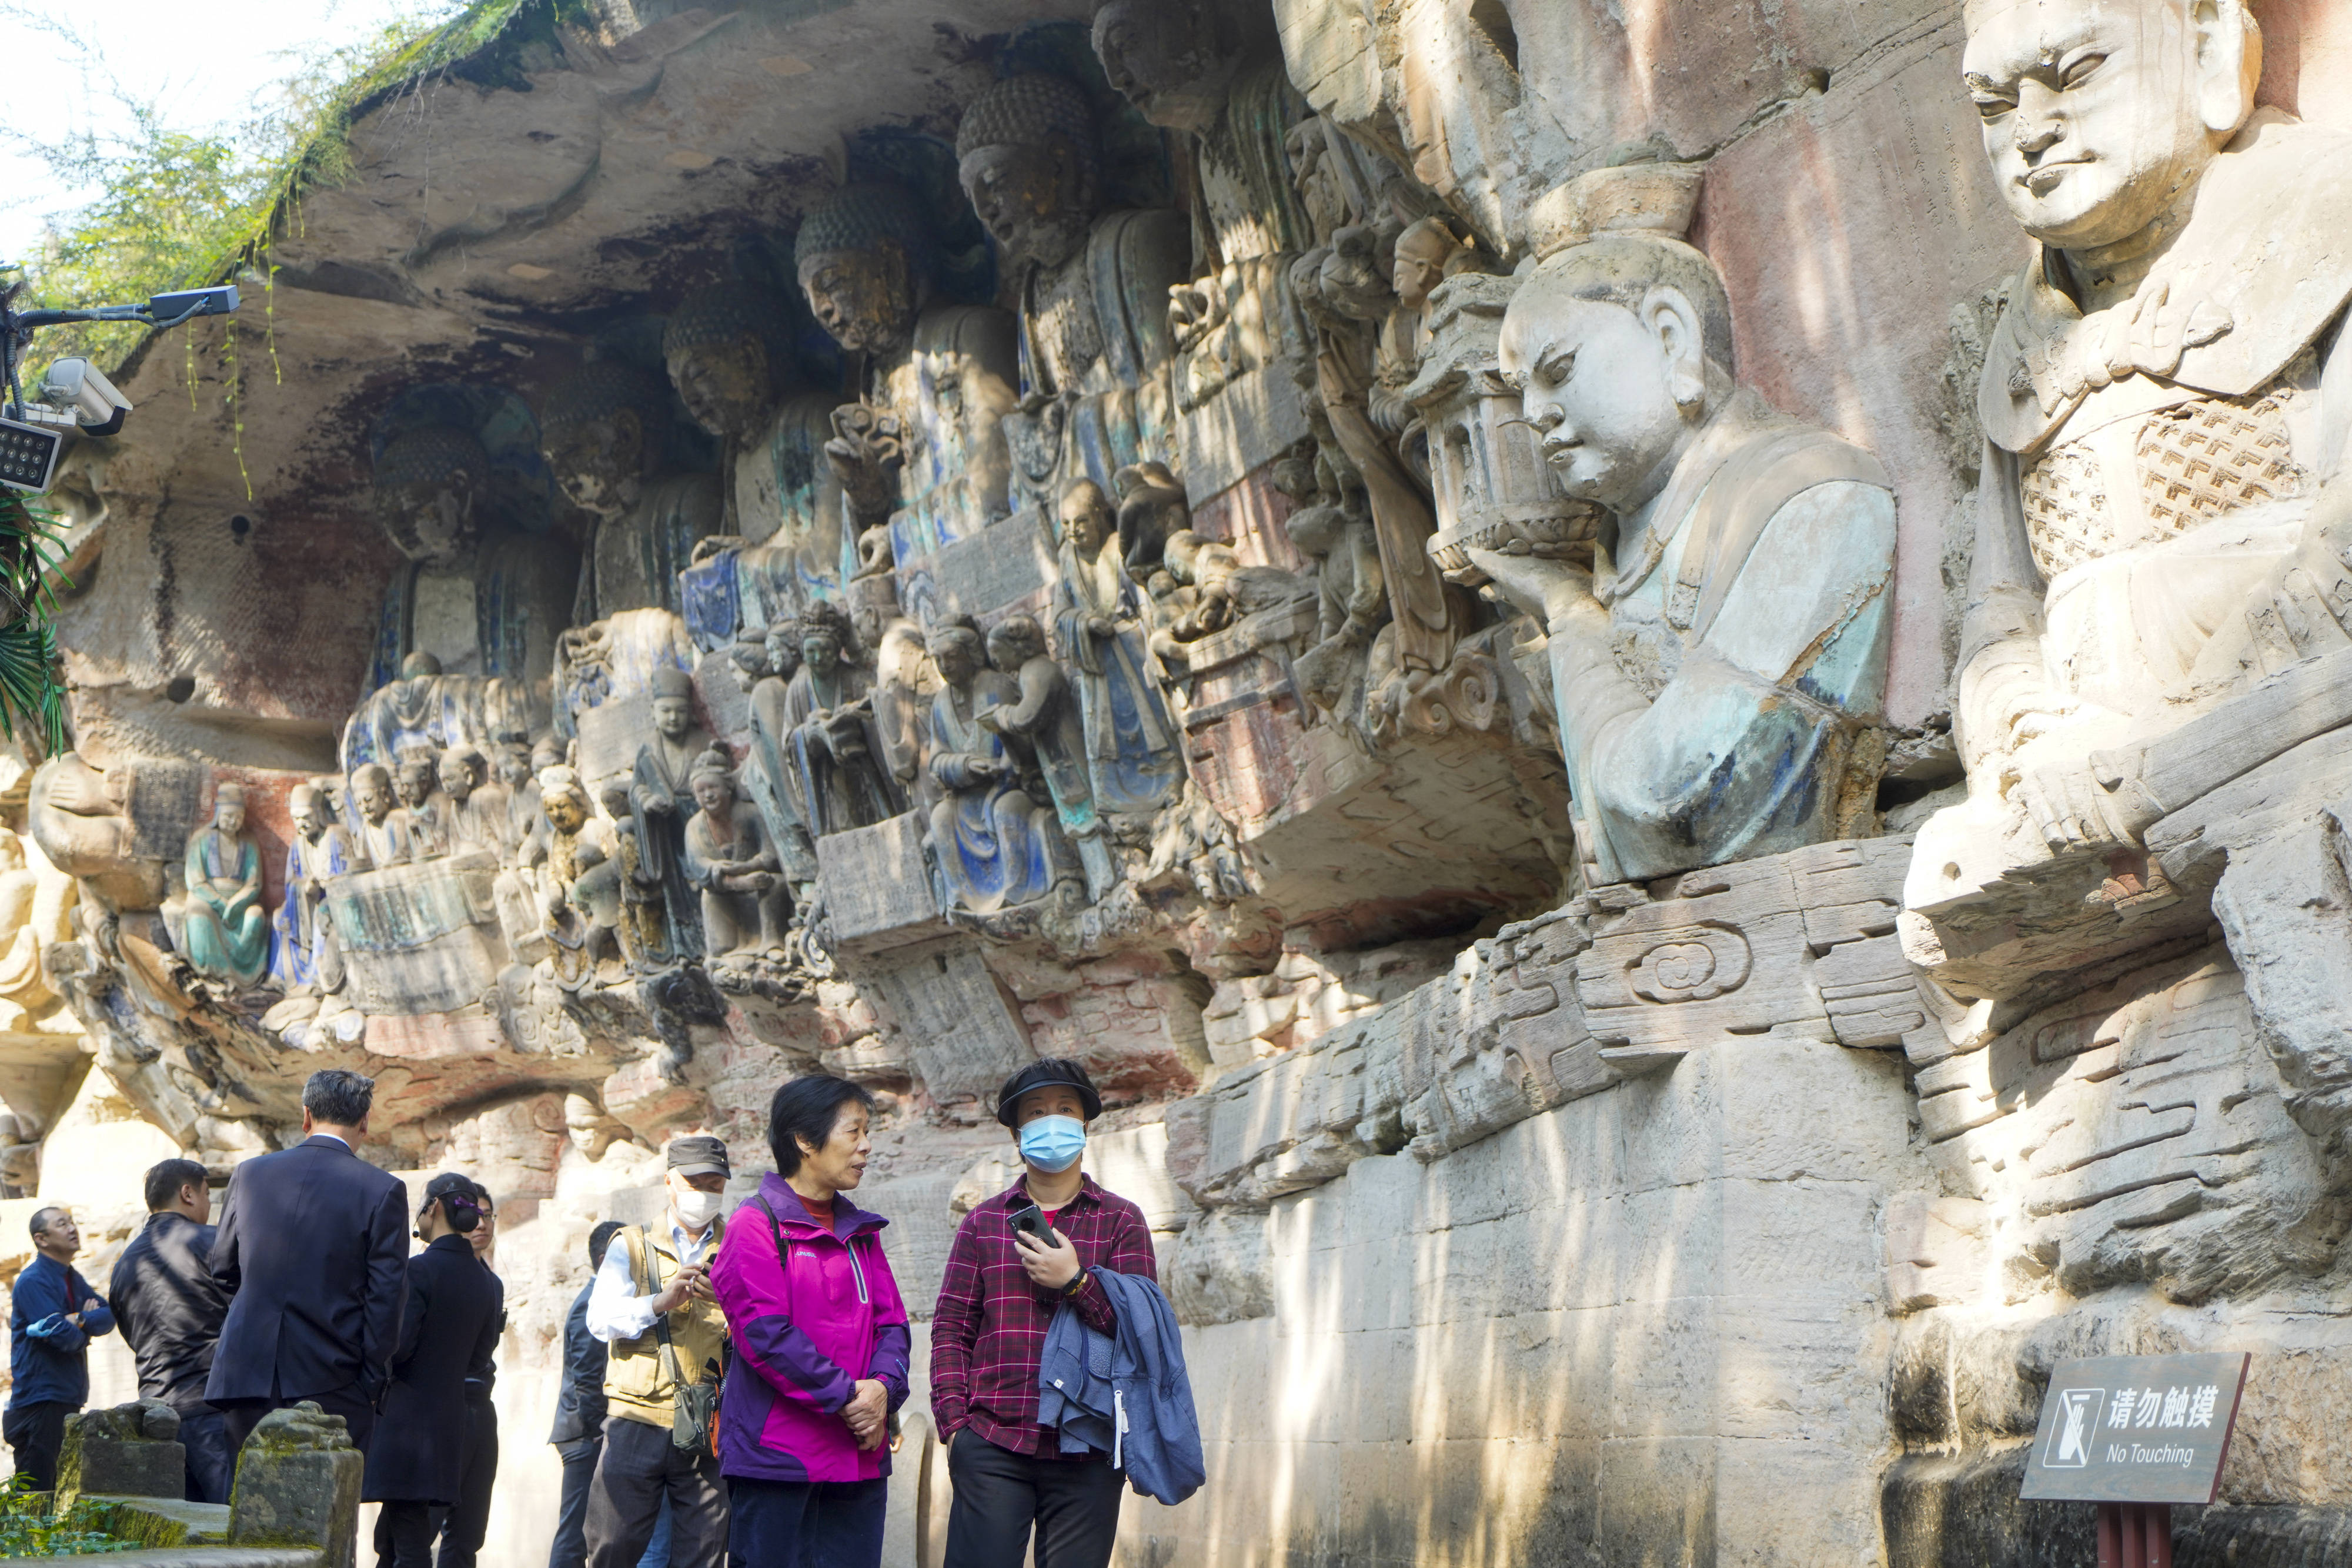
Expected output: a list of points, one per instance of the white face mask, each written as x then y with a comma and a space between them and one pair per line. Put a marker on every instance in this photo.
698, 1208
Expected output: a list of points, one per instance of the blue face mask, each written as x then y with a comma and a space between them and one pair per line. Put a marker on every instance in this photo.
1052, 1143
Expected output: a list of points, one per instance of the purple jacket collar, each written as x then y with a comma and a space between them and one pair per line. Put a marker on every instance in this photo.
848, 1220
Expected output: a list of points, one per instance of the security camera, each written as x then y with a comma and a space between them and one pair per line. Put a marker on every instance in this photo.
81, 390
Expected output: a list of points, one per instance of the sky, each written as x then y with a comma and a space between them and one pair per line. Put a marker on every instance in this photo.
203, 66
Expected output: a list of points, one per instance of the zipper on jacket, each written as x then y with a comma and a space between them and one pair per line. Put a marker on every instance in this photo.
859, 1270
1118, 1424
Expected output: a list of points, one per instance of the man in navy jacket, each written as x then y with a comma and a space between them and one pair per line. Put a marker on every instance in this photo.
53, 1316
313, 1252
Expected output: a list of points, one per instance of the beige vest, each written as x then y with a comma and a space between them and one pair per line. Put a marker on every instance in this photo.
638, 1382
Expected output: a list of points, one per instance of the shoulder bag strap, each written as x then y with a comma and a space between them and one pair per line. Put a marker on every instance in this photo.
642, 1253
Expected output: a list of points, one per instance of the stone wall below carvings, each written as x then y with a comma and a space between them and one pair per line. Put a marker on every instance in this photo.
1644, 1326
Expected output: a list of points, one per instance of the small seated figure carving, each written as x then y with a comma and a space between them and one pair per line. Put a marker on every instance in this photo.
595, 895
227, 931
1714, 671
995, 847
745, 903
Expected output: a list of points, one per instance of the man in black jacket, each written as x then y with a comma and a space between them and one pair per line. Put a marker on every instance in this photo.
468, 1523
579, 1434
313, 1253
170, 1309
450, 1324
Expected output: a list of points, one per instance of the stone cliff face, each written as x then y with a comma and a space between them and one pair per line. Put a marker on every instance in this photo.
1677, 774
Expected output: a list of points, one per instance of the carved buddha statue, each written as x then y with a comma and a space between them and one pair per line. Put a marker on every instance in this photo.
1716, 668
1133, 763
925, 456
661, 800
480, 595
995, 845
1185, 67
2162, 402
1092, 285
745, 900
840, 772
730, 353
225, 929
603, 428
309, 957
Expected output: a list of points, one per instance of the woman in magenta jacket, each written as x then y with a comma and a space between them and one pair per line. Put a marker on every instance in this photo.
821, 1343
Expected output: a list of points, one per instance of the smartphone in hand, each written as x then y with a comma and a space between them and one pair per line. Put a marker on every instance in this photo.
1030, 1219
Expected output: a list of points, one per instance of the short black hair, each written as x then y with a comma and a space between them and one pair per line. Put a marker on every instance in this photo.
482, 1196
808, 1108
600, 1238
339, 1097
41, 1217
166, 1179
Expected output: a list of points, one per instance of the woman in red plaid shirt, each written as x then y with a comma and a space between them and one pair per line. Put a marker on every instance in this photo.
1001, 1292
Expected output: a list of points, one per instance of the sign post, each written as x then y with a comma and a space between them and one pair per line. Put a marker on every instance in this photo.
2135, 1434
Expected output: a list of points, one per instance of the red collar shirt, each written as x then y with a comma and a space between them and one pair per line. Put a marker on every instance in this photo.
988, 1332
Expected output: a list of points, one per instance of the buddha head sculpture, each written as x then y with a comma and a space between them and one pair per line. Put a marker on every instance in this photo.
864, 259
2101, 115
1026, 154
1014, 642
228, 809
729, 352
1427, 253
426, 485
372, 789
1621, 347
602, 431
673, 691
748, 662
310, 812
1172, 62
1086, 516
414, 782
826, 640
712, 782
463, 769
956, 650
564, 801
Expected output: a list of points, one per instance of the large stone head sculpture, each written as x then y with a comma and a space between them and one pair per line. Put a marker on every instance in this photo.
602, 431
1620, 347
865, 258
1172, 61
1027, 157
730, 353
426, 486
2100, 115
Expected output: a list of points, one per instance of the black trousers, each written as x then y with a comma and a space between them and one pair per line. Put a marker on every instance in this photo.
806, 1525
571, 1548
245, 1415
35, 1432
468, 1523
999, 1495
639, 1467
404, 1534
212, 1463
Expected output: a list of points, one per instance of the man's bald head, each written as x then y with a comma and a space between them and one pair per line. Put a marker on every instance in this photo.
2100, 114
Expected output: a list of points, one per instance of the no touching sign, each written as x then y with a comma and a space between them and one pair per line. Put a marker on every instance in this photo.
2135, 1428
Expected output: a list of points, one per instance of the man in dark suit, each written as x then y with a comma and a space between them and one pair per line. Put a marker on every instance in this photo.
449, 1324
313, 1252
170, 1308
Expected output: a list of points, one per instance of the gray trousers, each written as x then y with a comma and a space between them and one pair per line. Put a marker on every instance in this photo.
636, 1470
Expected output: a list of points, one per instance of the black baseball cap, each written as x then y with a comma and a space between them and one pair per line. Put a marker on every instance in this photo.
699, 1155
1051, 1071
